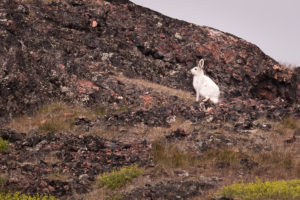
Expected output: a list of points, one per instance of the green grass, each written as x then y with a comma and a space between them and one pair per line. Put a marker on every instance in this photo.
258, 190
119, 178
19, 196
169, 155
4, 146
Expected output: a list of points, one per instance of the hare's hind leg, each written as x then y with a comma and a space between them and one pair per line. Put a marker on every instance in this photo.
214, 100
206, 99
197, 95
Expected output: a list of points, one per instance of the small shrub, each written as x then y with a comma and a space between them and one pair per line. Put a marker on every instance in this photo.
118, 178
19, 196
258, 190
3, 145
170, 155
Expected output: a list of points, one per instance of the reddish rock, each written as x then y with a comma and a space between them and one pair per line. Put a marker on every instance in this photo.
140, 43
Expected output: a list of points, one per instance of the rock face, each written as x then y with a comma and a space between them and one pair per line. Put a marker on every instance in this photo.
68, 49
132, 66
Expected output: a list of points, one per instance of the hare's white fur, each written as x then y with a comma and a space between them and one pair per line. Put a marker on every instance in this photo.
203, 85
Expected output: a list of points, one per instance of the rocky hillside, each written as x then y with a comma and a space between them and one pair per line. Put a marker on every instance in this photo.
66, 49
127, 68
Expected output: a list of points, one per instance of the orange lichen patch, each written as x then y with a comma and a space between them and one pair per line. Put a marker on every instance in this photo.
61, 67
94, 24
86, 85
277, 67
148, 101
229, 56
162, 35
22, 77
237, 77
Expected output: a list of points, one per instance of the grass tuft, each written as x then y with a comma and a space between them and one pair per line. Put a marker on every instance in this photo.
288, 125
275, 160
170, 155
292, 123
258, 190
53, 125
118, 178
3, 180
222, 158
221, 155
4, 146
56, 116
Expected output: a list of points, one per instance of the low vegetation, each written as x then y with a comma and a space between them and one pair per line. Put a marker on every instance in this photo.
258, 190
4, 146
3, 179
169, 155
292, 123
224, 155
288, 125
119, 178
19, 196
56, 116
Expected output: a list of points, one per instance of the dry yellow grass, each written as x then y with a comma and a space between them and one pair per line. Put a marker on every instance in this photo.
157, 87
56, 116
170, 155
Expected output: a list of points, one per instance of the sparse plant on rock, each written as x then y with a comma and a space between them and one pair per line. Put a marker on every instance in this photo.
19, 196
258, 190
289, 124
118, 178
3, 145
56, 116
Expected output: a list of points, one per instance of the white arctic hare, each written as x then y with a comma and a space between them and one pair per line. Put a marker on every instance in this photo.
203, 85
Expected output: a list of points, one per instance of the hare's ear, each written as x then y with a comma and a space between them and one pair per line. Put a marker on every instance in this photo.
201, 64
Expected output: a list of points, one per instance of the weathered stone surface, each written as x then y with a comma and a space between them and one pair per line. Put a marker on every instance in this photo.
77, 50
54, 50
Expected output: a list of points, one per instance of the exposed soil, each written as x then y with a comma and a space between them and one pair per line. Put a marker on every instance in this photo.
134, 64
